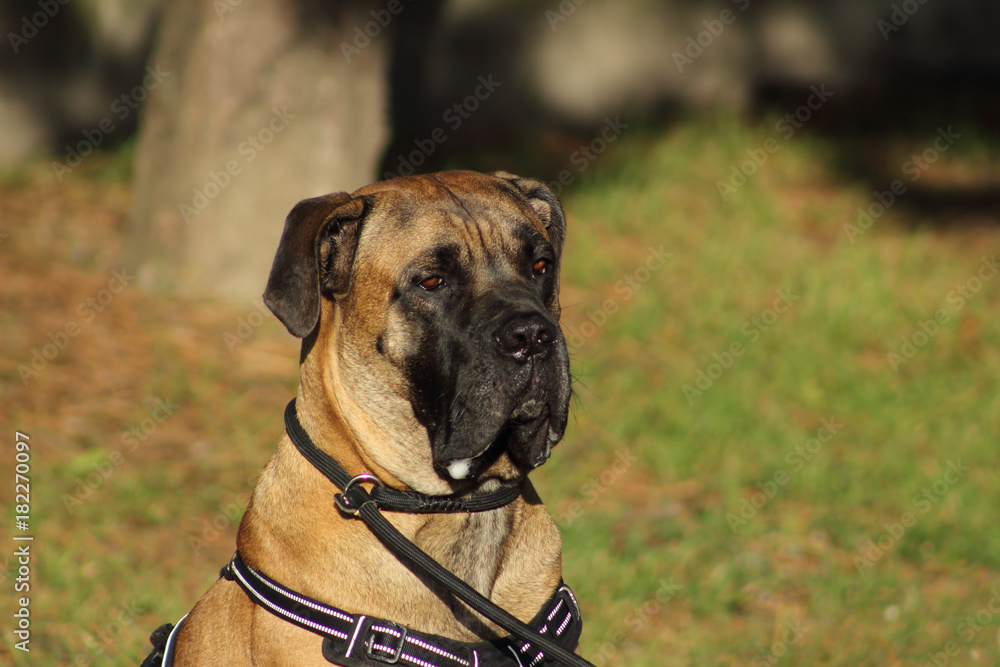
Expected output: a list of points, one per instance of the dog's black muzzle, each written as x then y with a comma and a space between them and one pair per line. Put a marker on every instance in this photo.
510, 396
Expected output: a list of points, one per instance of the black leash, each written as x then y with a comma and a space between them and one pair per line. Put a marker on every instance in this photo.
356, 500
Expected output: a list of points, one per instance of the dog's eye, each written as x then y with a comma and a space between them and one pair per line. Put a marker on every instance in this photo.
432, 283
540, 266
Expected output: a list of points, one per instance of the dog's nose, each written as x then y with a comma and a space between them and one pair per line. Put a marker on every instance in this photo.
526, 336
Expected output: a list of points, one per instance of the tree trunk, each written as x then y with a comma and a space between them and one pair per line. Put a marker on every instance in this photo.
257, 105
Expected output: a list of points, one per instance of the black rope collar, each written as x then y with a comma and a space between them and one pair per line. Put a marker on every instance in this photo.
349, 500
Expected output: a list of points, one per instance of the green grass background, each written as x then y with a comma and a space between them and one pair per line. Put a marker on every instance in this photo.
644, 480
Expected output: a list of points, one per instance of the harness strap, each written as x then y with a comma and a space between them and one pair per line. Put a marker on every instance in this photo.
357, 640
164, 640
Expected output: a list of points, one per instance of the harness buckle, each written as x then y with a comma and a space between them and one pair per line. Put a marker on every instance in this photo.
386, 629
343, 502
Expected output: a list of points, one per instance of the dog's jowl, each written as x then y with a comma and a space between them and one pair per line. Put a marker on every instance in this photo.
434, 375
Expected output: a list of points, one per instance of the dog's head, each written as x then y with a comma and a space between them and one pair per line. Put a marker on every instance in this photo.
434, 304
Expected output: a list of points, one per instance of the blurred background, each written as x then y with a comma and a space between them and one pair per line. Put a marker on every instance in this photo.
778, 293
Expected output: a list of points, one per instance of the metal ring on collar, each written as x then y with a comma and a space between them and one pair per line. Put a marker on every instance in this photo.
341, 500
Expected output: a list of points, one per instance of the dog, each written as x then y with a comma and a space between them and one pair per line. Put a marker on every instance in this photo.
432, 360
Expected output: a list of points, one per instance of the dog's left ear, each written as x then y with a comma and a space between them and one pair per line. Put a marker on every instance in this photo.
314, 257
545, 204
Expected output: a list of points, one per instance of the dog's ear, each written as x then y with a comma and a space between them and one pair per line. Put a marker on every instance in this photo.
314, 256
544, 202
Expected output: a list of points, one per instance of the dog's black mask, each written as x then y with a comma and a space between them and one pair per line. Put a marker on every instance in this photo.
490, 374
490, 378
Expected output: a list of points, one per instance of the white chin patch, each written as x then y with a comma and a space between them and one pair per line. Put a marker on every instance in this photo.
459, 468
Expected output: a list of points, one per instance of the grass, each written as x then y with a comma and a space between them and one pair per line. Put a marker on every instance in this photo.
705, 521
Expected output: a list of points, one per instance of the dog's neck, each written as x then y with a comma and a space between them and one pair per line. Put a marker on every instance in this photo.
294, 533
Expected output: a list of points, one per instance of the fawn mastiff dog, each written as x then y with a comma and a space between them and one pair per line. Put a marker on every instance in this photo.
432, 363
